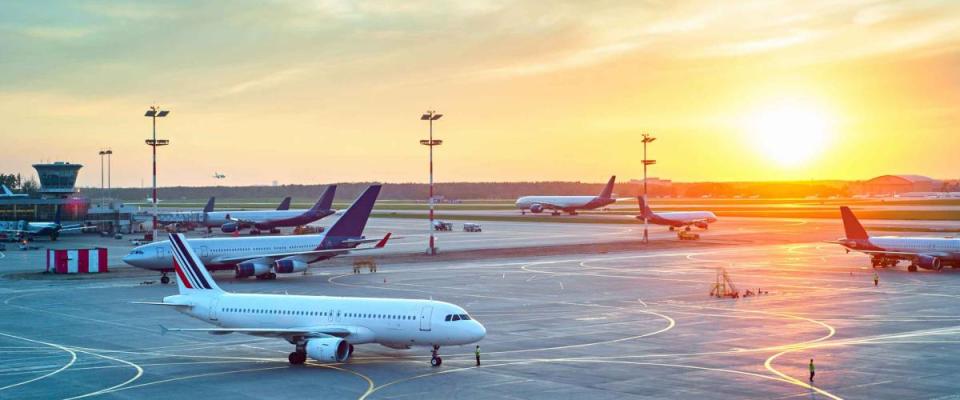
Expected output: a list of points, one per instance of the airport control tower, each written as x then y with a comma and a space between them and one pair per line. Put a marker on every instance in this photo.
57, 179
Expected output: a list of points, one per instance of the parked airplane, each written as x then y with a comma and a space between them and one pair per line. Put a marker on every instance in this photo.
265, 257
284, 204
186, 217
567, 204
24, 229
887, 251
323, 328
270, 220
218, 175
7, 193
678, 219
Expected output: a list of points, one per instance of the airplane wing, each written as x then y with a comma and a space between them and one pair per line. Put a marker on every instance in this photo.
74, 228
160, 303
380, 244
316, 331
244, 221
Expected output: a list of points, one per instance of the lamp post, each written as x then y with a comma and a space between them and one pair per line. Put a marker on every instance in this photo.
431, 116
155, 112
102, 194
109, 170
646, 139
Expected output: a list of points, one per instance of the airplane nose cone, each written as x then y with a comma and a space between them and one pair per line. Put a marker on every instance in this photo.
479, 332
130, 259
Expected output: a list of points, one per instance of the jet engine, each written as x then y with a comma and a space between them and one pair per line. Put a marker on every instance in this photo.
246, 269
229, 227
929, 262
701, 225
330, 349
536, 208
288, 266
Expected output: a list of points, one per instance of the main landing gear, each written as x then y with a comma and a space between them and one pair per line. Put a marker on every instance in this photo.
299, 356
435, 361
269, 276
164, 279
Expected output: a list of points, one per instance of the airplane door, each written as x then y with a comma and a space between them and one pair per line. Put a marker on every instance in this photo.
204, 252
213, 308
425, 313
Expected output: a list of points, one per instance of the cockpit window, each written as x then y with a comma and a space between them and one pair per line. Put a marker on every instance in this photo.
456, 317
447, 318
465, 317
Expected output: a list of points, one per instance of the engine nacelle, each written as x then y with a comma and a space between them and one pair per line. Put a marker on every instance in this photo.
328, 349
929, 262
246, 269
701, 225
289, 266
229, 227
536, 208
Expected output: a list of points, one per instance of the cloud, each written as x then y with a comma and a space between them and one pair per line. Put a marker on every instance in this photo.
267, 81
56, 32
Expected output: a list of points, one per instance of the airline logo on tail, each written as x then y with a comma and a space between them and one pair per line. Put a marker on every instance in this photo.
191, 272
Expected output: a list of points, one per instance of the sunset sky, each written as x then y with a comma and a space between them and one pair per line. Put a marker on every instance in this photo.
327, 91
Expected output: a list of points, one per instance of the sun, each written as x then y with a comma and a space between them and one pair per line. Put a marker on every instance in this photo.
789, 133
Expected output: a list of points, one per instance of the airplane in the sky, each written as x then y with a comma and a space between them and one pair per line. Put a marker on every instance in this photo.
265, 257
676, 219
24, 229
7, 193
567, 204
217, 175
270, 220
887, 251
323, 328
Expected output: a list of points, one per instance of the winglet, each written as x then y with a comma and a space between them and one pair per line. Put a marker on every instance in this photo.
209, 207
383, 242
851, 225
608, 190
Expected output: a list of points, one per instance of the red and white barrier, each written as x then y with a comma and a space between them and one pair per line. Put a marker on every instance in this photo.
77, 261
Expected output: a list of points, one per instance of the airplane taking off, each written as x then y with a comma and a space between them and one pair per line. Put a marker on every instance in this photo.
265, 257
260, 220
7, 193
217, 175
323, 328
887, 251
678, 219
24, 229
567, 204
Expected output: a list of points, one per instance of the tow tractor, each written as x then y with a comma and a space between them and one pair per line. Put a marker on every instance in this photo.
687, 235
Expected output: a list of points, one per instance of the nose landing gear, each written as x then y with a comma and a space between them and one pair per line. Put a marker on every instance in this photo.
164, 279
435, 361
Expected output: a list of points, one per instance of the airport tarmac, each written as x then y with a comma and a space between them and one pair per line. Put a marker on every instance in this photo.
635, 324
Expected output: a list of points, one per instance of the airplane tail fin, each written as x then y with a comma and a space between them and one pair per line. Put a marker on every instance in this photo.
6, 190
608, 190
851, 225
209, 207
192, 275
284, 205
326, 199
352, 222
645, 210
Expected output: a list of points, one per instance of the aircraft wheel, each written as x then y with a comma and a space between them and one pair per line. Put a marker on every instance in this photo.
687, 229
436, 361
271, 276
912, 268
297, 358
164, 280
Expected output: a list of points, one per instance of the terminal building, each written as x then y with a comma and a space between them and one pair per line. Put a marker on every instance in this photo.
57, 189
886, 185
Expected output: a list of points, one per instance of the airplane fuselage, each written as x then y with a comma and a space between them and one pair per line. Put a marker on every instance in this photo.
945, 250
398, 323
157, 256
562, 203
682, 218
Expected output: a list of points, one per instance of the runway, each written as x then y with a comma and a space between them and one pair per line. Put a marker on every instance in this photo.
634, 324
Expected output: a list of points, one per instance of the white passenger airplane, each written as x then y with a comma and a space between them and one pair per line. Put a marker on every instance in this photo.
265, 257
270, 220
7, 193
678, 219
323, 328
567, 204
29, 230
887, 251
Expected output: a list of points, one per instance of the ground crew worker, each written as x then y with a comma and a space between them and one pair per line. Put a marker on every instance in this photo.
811, 370
477, 352
876, 279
